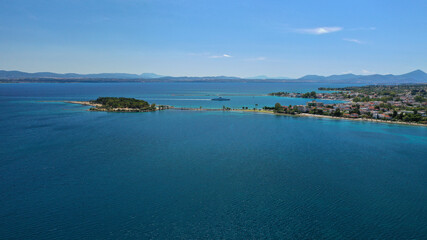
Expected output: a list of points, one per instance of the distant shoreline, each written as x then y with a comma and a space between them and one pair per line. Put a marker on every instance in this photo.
87, 103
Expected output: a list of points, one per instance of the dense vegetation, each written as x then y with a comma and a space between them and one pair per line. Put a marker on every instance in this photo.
309, 95
385, 90
124, 103
383, 93
279, 94
312, 94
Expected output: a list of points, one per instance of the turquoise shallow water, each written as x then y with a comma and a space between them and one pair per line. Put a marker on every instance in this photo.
66, 173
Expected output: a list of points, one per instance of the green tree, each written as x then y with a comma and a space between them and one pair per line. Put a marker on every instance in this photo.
394, 114
419, 99
337, 113
278, 107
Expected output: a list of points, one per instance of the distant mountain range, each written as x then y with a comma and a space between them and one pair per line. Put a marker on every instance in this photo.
416, 76
22, 75
260, 77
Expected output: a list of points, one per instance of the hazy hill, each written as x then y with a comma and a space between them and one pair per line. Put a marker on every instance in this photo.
416, 76
20, 75
267, 77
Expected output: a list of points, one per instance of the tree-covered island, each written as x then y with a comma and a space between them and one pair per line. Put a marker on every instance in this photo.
120, 104
399, 103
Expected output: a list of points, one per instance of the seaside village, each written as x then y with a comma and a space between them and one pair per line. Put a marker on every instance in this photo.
385, 109
374, 110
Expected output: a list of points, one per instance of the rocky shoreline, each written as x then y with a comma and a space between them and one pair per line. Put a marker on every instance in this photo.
96, 107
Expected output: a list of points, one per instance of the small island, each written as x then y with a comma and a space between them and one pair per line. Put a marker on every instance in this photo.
120, 104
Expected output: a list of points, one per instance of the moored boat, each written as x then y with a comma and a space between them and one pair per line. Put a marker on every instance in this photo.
220, 99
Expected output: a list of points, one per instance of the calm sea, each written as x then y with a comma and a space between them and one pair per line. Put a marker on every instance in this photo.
66, 173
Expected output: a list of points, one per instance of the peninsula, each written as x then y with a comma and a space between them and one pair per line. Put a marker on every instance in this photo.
404, 104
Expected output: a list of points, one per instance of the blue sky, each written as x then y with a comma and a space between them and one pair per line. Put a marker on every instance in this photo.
205, 38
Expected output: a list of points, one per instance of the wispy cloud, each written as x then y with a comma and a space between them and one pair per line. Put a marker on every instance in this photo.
362, 29
221, 56
353, 40
319, 30
364, 71
256, 59
198, 54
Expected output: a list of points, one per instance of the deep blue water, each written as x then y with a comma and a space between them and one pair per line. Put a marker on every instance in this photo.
66, 173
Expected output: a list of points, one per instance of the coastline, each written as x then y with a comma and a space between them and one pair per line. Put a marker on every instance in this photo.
330, 117
96, 107
258, 111
85, 103
361, 119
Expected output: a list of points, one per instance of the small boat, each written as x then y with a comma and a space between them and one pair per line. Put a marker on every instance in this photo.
220, 99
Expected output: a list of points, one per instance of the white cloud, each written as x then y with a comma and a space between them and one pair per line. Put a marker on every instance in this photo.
320, 30
221, 56
364, 71
353, 40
